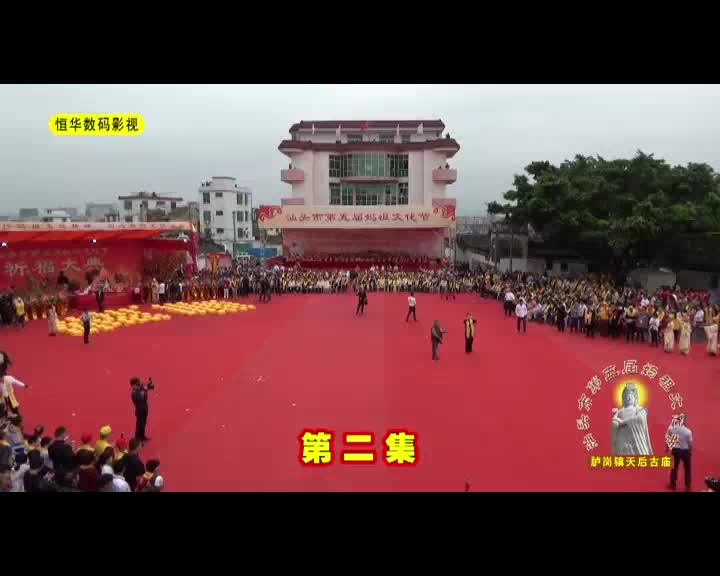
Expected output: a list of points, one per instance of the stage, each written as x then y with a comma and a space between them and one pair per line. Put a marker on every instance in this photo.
228, 409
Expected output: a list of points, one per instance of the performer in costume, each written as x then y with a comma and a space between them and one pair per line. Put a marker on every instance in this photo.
685, 332
469, 332
669, 337
7, 385
52, 320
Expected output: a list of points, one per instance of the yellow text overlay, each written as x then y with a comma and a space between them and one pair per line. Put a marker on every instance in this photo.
630, 462
96, 124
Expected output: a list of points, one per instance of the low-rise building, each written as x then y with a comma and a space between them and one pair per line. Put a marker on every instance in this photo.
135, 207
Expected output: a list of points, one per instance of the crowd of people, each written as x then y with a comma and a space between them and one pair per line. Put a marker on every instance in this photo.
594, 305
31, 461
591, 305
363, 262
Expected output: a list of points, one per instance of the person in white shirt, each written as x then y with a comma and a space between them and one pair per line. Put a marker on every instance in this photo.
7, 385
655, 330
119, 484
682, 451
411, 308
18, 472
699, 317
509, 303
161, 292
521, 313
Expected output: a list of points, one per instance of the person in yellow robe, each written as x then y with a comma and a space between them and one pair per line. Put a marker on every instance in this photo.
712, 319
469, 332
669, 337
676, 324
685, 333
104, 440
52, 320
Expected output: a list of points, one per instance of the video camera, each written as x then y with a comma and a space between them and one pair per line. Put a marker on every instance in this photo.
147, 386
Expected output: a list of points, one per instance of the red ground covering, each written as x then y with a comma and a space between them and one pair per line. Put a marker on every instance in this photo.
234, 392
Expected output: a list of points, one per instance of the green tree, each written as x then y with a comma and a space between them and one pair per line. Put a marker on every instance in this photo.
636, 210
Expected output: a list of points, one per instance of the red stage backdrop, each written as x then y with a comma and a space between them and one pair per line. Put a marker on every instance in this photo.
45, 264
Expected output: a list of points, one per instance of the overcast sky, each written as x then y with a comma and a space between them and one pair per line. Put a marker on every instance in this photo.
193, 132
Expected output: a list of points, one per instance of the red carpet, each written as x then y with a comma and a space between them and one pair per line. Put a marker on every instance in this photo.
234, 392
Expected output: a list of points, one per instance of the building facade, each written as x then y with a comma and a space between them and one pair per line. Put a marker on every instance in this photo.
134, 207
364, 187
100, 212
225, 211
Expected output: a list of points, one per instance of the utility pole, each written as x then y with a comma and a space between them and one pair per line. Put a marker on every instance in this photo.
512, 243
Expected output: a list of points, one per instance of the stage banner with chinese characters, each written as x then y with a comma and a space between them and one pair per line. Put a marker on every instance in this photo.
377, 217
33, 266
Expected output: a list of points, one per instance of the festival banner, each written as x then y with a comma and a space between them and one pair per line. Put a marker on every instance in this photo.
95, 226
379, 217
24, 267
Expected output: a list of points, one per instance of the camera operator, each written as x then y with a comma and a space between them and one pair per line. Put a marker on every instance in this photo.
140, 400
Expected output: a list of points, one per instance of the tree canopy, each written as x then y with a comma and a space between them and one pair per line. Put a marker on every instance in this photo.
640, 210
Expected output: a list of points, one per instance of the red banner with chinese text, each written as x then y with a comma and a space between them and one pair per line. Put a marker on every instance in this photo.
22, 267
357, 217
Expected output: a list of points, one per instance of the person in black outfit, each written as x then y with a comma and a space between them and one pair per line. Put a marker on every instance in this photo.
60, 451
86, 325
100, 297
362, 301
139, 399
34, 479
134, 468
561, 315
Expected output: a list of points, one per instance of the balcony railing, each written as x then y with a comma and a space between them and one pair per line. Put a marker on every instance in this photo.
445, 175
292, 175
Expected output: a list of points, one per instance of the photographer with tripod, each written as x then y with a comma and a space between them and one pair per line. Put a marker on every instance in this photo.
140, 400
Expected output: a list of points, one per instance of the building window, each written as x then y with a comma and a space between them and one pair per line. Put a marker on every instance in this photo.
220, 230
335, 194
354, 138
346, 195
219, 213
159, 203
218, 194
335, 166
127, 205
173, 205
239, 215
387, 138
403, 197
374, 196
206, 197
240, 198
144, 204
398, 165
361, 197
406, 138
128, 218
247, 216
390, 195
206, 216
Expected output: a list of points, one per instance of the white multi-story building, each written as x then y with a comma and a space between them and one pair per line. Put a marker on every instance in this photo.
56, 216
366, 186
134, 207
225, 211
